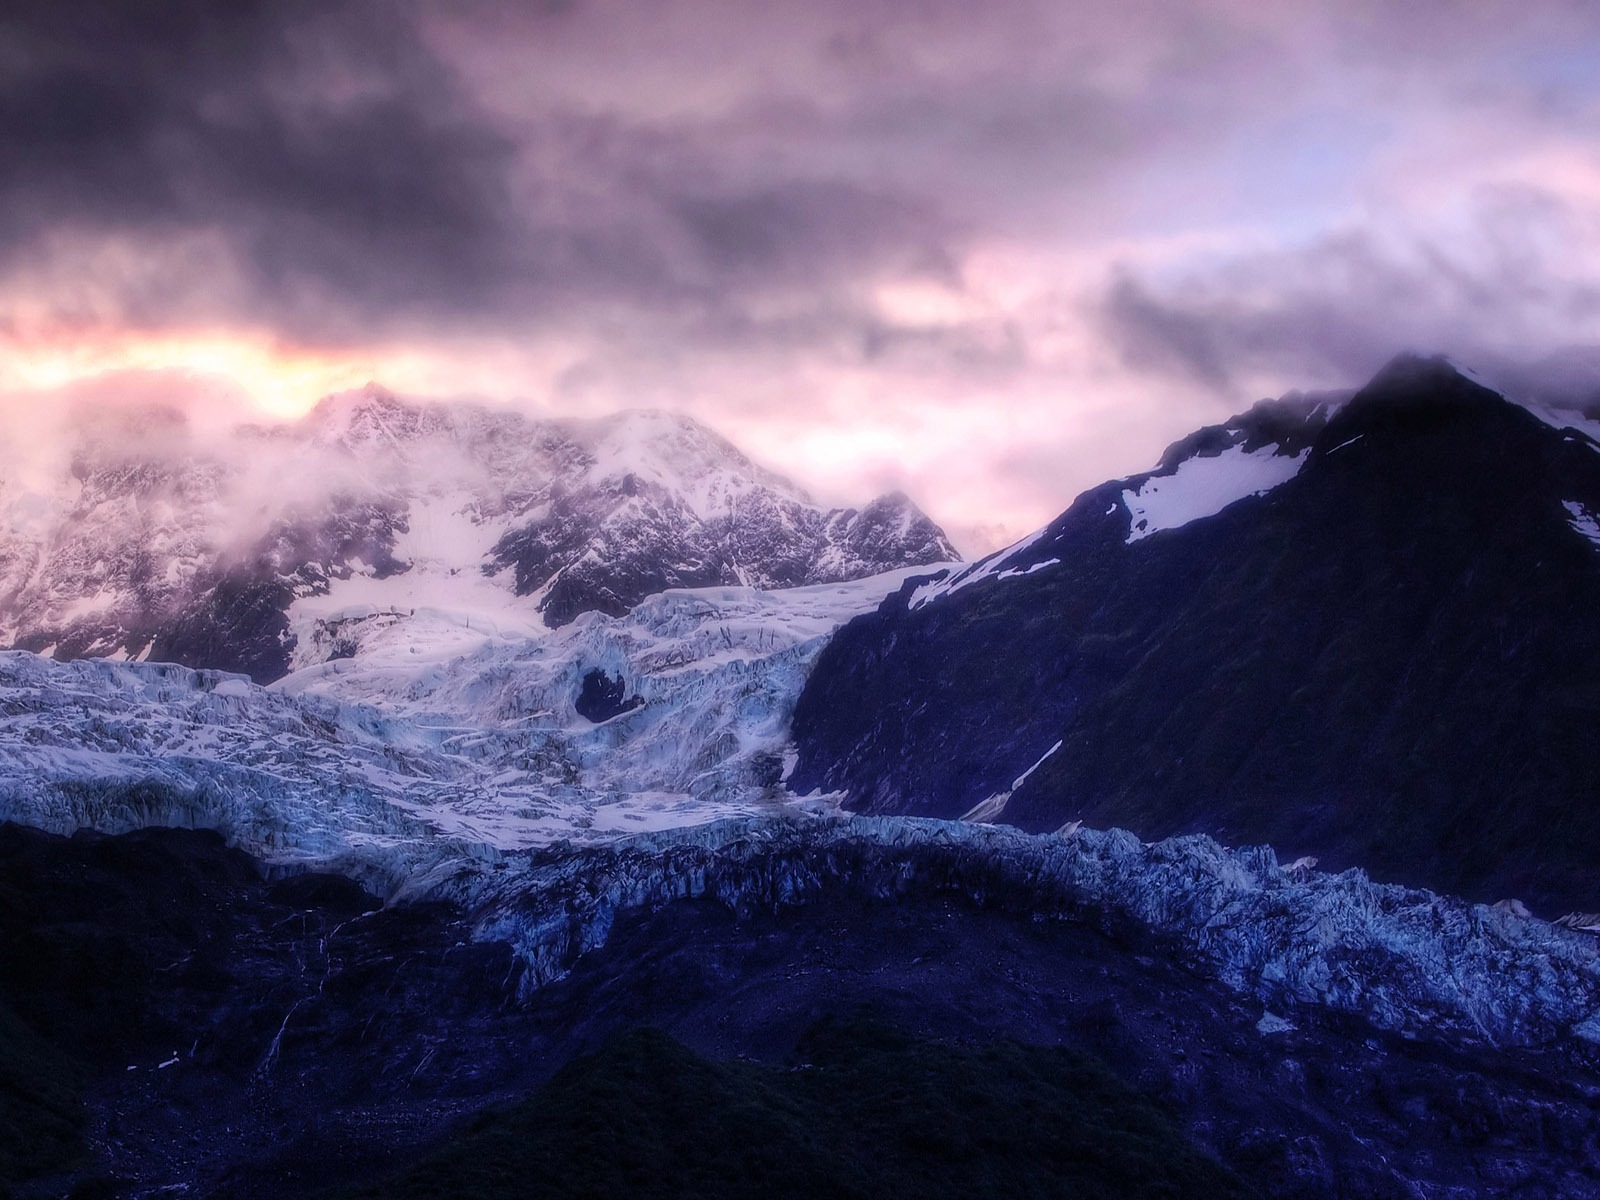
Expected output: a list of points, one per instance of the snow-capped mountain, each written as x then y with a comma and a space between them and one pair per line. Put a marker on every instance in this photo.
251, 552
1360, 629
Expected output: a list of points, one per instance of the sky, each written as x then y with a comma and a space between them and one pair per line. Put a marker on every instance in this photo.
990, 253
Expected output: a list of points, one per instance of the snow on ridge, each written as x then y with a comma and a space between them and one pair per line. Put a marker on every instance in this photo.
1564, 419
993, 566
418, 492
1556, 418
681, 455
1204, 486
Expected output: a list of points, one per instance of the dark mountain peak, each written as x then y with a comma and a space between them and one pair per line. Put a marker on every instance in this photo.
1288, 424
1416, 381
1380, 653
1410, 367
1415, 395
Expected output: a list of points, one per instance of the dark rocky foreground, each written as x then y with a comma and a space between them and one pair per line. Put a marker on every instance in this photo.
314, 1041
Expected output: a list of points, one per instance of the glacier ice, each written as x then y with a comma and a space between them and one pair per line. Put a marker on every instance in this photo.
420, 736
1407, 960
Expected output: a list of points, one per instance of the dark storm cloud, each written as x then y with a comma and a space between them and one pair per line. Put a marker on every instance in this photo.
1219, 340
677, 177
352, 181
1335, 309
325, 146
792, 231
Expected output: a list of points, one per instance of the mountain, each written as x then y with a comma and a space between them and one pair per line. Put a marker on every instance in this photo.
549, 838
244, 552
1362, 630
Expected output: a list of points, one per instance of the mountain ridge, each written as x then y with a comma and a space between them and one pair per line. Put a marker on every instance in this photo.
226, 552
1383, 659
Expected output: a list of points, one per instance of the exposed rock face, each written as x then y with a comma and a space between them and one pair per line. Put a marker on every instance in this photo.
1365, 634
700, 517
603, 697
233, 552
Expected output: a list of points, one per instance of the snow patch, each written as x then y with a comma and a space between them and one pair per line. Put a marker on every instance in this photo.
1203, 487
992, 567
1023, 778
1582, 520
987, 811
1556, 418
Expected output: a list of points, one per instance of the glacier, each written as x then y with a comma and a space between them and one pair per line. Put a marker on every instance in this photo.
440, 727
1407, 960
472, 780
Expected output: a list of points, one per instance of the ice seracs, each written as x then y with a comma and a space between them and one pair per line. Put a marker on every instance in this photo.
1294, 940
437, 726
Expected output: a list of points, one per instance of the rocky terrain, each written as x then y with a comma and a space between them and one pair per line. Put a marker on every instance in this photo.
199, 1027
476, 893
1360, 631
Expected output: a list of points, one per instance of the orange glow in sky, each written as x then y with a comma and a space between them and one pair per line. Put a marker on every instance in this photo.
278, 379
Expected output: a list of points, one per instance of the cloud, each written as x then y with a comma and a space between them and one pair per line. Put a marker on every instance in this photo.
1513, 284
678, 171
321, 146
352, 168
1050, 233
322, 169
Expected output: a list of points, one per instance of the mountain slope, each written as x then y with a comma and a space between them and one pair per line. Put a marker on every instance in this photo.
869, 1114
1386, 657
234, 552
